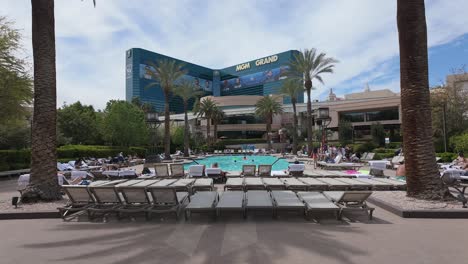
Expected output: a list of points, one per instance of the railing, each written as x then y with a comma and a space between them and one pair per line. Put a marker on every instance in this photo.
243, 127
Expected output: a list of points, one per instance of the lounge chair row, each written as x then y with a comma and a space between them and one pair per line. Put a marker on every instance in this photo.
308, 184
276, 201
130, 196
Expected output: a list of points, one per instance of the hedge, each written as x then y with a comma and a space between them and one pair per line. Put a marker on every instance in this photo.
21, 159
446, 156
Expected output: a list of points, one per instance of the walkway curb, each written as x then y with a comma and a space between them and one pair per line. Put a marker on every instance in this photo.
420, 213
29, 215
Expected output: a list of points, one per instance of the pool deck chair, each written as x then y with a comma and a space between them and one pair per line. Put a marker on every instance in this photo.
314, 184
355, 184
196, 171
264, 170
253, 184
317, 202
203, 185
183, 185
399, 185
177, 170
133, 196
351, 201
248, 170
79, 200
106, 197
294, 184
215, 173
287, 201
202, 202
296, 170
234, 184
166, 200
376, 185
334, 184
258, 201
273, 184
232, 201
161, 170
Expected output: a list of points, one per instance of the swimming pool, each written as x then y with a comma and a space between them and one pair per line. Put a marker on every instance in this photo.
234, 163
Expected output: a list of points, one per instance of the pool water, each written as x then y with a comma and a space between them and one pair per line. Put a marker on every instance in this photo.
234, 163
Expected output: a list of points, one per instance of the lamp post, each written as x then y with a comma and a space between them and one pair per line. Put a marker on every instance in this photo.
153, 122
323, 119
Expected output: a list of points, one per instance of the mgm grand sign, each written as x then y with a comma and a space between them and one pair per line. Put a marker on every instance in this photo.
259, 62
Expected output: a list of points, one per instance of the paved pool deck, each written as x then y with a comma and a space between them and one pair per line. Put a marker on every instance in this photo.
259, 239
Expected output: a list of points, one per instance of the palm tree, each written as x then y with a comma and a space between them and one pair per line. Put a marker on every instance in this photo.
205, 109
421, 169
291, 88
186, 90
266, 108
166, 74
307, 66
218, 116
43, 184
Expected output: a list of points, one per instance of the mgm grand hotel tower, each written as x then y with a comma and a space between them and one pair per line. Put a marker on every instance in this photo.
233, 88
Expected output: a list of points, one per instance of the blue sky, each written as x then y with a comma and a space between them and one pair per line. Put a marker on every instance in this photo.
361, 34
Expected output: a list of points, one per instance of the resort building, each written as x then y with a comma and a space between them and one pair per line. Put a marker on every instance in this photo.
237, 88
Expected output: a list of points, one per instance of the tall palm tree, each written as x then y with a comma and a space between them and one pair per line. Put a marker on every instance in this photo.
218, 116
291, 88
307, 66
186, 90
43, 184
167, 73
266, 108
421, 169
205, 109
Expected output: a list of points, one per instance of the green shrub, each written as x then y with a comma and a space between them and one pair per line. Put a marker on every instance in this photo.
366, 147
446, 156
384, 155
394, 145
459, 143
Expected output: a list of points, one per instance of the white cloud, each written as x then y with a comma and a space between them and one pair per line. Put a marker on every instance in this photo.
91, 42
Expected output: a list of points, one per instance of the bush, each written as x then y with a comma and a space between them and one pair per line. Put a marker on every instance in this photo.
446, 156
383, 155
366, 147
459, 143
394, 145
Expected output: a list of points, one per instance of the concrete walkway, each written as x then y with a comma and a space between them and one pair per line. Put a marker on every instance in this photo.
387, 239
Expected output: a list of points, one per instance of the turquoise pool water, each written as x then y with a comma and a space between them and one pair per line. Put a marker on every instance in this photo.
234, 163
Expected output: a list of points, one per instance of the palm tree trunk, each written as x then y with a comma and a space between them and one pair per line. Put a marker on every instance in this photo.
294, 147
208, 121
215, 131
422, 175
268, 129
186, 132
43, 182
167, 128
308, 86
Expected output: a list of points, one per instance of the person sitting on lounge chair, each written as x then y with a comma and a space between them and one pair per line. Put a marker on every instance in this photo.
401, 171
215, 166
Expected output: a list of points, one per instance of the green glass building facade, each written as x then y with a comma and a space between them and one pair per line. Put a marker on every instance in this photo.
263, 76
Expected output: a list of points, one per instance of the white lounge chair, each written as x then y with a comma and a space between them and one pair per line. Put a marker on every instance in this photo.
296, 170
196, 171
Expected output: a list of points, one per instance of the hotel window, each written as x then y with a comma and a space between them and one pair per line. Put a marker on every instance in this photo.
381, 115
352, 117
